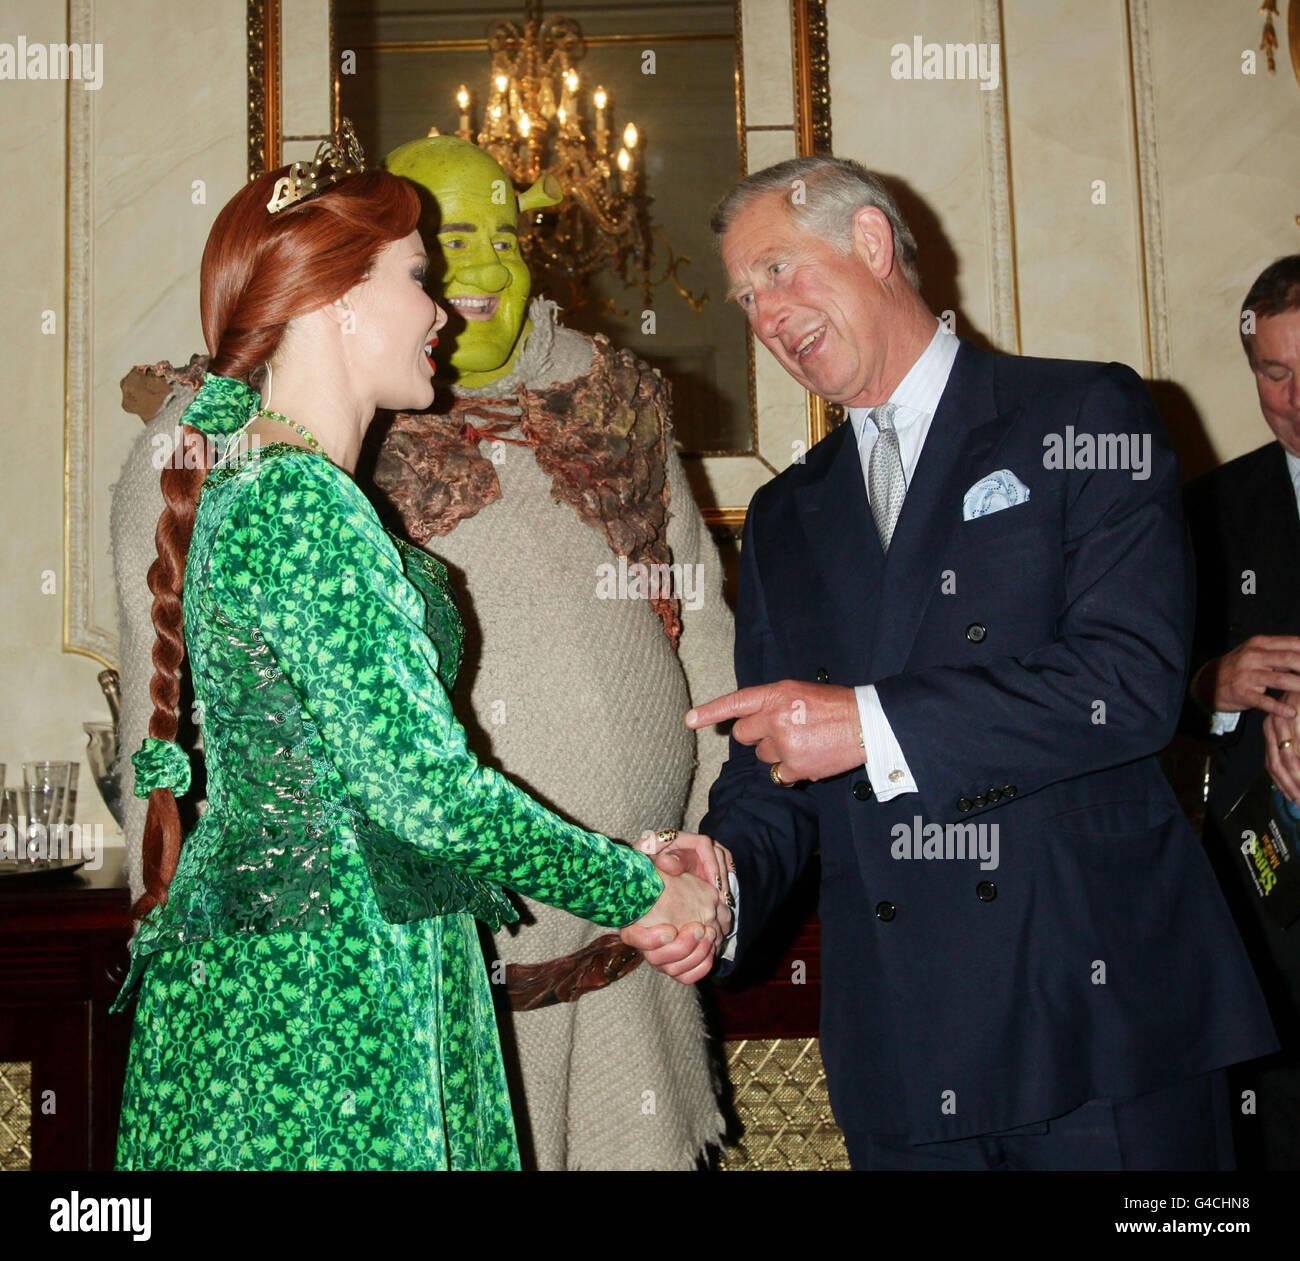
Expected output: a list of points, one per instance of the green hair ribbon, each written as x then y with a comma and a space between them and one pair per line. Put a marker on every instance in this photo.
223, 405
161, 764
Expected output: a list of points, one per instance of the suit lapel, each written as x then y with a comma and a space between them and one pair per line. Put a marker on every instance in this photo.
836, 518
1274, 500
966, 430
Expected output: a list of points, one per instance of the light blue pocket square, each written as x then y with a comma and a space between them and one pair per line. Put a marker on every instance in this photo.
999, 490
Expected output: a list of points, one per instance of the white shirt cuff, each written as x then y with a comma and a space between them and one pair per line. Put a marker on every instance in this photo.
886, 766
729, 954
1222, 723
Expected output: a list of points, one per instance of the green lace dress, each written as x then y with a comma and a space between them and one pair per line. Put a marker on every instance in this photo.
313, 995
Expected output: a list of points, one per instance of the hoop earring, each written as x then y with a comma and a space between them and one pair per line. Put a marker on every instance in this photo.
266, 399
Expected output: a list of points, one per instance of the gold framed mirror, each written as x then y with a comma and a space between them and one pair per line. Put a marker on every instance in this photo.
738, 419
1293, 35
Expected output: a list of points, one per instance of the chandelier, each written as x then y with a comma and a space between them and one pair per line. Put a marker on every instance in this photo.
533, 126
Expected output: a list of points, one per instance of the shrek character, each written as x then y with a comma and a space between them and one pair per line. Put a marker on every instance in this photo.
552, 467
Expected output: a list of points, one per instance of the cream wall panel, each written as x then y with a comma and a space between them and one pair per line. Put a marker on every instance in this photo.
1070, 127
769, 93
1230, 187
765, 148
161, 120
159, 177
923, 135
305, 58
45, 694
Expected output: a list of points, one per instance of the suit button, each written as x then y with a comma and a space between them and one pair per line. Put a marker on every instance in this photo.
886, 911
994, 794
862, 790
963, 804
1008, 790
981, 800
986, 891
823, 675
975, 632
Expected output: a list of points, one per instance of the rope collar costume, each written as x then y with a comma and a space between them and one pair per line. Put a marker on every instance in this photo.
601, 437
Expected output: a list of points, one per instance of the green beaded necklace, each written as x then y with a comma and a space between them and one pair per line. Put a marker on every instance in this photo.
268, 414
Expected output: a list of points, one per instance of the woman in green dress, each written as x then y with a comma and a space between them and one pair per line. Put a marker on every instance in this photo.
311, 990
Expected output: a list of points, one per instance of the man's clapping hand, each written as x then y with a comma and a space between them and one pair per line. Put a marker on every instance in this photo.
684, 930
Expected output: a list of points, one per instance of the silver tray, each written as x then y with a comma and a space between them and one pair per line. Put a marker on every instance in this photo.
14, 869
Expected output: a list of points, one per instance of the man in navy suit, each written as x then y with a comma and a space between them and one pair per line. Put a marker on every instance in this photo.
961, 641
1245, 523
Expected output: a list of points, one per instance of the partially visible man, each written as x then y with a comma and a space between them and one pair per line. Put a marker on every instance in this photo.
961, 640
1245, 520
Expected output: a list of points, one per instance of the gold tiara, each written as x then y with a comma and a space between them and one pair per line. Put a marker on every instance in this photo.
334, 159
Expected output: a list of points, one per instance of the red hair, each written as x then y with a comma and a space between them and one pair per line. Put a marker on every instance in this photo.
259, 271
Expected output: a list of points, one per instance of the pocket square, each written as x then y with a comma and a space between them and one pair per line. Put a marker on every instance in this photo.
999, 490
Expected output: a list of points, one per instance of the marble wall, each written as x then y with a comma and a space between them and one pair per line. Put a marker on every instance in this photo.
1112, 199
109, 195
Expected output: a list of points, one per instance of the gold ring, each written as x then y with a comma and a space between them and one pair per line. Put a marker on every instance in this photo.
1284, 744
775, 774
666, 836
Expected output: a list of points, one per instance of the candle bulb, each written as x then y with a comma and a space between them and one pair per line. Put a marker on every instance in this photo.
630, 136
462, 99
625, 170
598, 99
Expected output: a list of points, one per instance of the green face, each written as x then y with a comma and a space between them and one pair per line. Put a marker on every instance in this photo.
485, 281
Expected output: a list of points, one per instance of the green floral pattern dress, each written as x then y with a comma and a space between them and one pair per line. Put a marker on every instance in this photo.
297, 1010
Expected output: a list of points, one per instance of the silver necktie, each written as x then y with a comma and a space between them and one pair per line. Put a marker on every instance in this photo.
886, 484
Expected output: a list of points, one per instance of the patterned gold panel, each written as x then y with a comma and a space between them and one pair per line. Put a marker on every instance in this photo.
781, 1099
15, 1116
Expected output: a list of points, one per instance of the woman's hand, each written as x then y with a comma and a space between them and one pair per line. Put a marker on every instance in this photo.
1284, 763
694, 852
686, 904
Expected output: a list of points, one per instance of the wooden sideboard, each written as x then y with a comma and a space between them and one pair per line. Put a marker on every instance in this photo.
63, 955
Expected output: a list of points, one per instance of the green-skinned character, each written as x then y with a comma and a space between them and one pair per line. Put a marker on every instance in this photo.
543, 472
472, 215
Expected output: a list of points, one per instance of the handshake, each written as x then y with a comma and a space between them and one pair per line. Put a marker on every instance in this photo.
685, 929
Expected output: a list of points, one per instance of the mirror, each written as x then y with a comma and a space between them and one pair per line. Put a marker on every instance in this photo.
396, 66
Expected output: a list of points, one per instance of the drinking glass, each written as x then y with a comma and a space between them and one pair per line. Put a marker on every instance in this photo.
45, 787
70, 798
11, 819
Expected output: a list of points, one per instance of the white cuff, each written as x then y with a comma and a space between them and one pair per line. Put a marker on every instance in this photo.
886, 766
729, 954
1222, 723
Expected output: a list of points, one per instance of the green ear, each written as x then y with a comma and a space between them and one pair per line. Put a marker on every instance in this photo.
546, 191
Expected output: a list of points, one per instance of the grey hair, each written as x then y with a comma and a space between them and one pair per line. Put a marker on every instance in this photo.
833, 191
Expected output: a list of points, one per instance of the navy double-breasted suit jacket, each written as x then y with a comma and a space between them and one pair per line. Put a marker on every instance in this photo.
1031, 663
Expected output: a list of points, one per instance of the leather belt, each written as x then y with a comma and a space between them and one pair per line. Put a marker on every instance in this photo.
568, 978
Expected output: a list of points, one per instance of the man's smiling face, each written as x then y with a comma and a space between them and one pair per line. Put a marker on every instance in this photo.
1275, 360
470, 225
820, 312
485, 280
